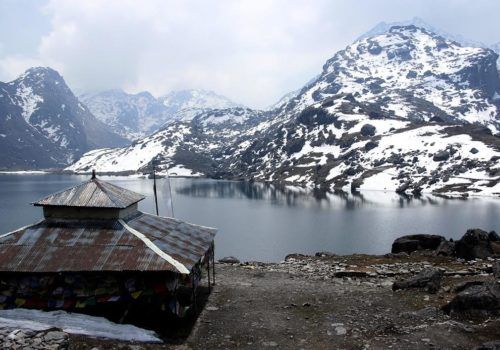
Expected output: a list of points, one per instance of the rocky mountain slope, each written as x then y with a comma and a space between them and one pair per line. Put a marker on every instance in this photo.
186, 104
384, 27
130, 115
404, 110
183, 148
137, 115
42, 124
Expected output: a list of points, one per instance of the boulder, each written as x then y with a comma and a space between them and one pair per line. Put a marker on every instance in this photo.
370, 145
446, 248
474, 244
491, 345
403, 187
496, 269
411, 243
477, 299
429, 278
465, 285
493, 236
229, 260
324, 254
474, 150
441, 156
368, 130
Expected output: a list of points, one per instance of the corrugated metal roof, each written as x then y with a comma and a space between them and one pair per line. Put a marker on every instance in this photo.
70, 245
93, 193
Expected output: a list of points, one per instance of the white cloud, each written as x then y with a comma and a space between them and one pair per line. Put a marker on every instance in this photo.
253, 51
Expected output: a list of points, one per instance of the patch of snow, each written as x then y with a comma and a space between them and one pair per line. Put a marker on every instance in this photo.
28, 101
74, 323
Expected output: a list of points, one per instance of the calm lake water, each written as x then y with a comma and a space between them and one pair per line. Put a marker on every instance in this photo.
265, 223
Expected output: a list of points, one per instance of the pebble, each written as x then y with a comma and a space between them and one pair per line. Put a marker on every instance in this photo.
13, 338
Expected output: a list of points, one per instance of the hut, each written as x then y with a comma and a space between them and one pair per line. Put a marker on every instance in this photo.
94, 252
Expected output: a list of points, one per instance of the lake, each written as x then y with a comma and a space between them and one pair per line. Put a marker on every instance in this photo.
265, 223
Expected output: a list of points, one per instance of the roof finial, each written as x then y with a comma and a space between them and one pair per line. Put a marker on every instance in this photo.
93, 174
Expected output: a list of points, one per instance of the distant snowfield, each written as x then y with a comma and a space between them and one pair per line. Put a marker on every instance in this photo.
74, 323
25, 172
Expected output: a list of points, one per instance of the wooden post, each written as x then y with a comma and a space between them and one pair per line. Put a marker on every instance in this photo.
154, 188
208, 269
213, 262
195, 307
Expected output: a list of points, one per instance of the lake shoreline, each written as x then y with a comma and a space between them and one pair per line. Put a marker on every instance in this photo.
134, 175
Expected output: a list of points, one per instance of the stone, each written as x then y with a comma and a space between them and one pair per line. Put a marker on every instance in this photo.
429, 278
441, 156
54, 336
446, 248
368, 130
483, 299
493, 236
464, 285
496, 269
474, 150
491, 345
370, 145
411, 243
229, 260
350, 273
324, 254
474, 244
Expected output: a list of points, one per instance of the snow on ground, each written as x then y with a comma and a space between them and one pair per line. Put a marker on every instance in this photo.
381, 181
180, 171
74, 323
24, 172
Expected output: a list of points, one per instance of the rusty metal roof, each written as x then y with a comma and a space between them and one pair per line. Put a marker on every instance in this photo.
93, 193
105, 245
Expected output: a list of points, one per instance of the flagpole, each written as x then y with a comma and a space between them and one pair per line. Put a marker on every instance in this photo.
154, 188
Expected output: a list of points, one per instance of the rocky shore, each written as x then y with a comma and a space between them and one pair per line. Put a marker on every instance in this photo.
416, 297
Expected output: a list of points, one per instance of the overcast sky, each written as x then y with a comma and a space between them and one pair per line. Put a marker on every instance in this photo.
252, 51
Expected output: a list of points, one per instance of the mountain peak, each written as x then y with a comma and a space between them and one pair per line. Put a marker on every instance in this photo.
41, 73
384, 27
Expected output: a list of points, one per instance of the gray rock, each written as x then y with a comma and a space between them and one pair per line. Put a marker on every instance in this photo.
467, 284
493, 236
229, 260
483, 299
55, 336
441, 156
411, 243
491, 345
474, 150
429, 278
446, 248
474, 244
496, 269
324, 254
368, 130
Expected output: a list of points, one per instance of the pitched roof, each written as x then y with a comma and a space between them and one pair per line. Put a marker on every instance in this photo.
141, 242
94, 194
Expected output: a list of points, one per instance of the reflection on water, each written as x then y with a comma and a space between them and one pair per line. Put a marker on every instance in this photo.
265, 222
296, 196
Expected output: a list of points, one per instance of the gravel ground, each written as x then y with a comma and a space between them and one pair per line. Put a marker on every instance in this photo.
331, 302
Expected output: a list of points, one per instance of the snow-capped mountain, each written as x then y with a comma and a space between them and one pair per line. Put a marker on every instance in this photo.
42, 124
384, 27
185, 104
137, 115
130, 115
405, 110
184, 148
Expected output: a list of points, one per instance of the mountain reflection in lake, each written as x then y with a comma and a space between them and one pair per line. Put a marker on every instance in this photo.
265, 222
